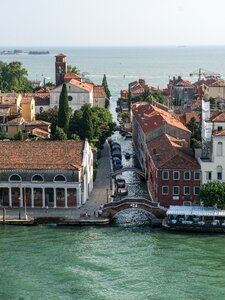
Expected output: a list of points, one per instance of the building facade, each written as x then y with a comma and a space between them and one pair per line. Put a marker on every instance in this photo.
79, 93
49, 173
162, 146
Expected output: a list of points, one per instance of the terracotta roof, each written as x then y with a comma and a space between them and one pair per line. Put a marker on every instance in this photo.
16, 121
41, 155
99, 92
193, 114
85, 86
167, 153
41, 132
37, 122
219, 133
72, 75
60, 55
151, 117
218, 117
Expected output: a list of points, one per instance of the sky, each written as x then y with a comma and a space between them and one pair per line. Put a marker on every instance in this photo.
112, 22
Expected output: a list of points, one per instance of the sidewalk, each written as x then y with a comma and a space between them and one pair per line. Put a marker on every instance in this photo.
96, 198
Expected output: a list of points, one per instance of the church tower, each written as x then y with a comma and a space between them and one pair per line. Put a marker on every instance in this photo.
60, 68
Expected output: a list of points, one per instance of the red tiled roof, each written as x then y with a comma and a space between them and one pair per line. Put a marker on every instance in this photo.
166, 152
151, 117
99, 92
37, 122
72, 75
86, 86
192, 114
218, 117
219, 133
41, 132
41, 155
60, 55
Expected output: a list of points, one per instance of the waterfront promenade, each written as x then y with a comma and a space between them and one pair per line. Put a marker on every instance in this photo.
96, 199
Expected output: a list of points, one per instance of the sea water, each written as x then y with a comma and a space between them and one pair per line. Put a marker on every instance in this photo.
113, 262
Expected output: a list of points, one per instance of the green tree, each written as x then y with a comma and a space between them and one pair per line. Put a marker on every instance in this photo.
212, 102
51, 116
101, 125
195, 128
75, 137
73, 69
18, 136
59, 134
213, 193
64, 110
13, 77
105, 85
87, 130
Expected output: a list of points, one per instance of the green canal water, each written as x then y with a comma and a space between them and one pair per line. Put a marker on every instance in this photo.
110, 263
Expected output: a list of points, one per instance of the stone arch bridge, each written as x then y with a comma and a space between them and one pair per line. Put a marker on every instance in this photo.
157, 214
128, 169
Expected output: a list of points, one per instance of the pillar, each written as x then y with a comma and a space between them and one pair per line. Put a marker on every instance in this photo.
78, 196
54, 197
65, 197
21, 197
32, 197
10, 197
43, 197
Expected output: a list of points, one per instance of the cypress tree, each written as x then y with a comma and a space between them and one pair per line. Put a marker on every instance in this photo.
105, 85
64, 110
87, 128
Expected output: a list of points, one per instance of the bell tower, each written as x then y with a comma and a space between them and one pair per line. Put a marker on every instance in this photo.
60, 68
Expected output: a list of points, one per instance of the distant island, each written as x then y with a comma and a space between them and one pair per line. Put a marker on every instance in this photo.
19, 52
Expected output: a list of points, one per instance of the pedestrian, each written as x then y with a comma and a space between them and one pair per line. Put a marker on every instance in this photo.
86, 214
46, 208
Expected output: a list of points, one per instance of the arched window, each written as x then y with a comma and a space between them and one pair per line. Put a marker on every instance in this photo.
219, 173
60, 178
37, 178
15, 177
219, 149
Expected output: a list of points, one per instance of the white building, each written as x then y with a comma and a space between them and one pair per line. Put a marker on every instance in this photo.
79, 93
212, 160
45, 173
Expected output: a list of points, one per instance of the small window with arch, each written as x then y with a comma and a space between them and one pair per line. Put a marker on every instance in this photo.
15, 177
60, 178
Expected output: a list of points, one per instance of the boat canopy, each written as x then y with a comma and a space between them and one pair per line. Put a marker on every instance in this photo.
195, 211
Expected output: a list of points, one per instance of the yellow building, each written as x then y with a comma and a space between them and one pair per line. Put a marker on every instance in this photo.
28, 108
14, 126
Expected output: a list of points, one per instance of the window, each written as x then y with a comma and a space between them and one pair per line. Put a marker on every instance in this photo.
219, 149
61, 178
165, 175
15, 177
176, 190
196, 190
208, 175
37, 178
219, 128
187, 175
197, 175
165, 190
176, 175
70, 98
187, 190
219, 173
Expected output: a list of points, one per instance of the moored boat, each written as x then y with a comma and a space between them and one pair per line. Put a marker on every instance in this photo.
194, 218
